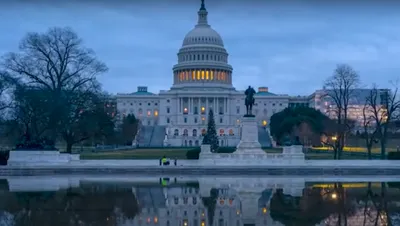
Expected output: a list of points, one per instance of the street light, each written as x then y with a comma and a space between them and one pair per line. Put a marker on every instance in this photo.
334, 196
334, 138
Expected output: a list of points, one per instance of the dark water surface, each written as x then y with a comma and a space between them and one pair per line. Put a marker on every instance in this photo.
207, 201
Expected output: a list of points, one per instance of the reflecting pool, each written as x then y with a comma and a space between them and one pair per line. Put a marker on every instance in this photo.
179, 201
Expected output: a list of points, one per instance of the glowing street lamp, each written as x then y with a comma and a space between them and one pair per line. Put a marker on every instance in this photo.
334, 196
334, 138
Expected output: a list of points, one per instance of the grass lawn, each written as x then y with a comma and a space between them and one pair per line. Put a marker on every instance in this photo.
137, 154
181, 154
375, 150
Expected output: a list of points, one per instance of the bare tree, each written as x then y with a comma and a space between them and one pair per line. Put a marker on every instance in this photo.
58, 63
384, 105
369, 125
341, 91
6, 85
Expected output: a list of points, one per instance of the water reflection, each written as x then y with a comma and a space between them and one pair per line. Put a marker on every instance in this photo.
201, 202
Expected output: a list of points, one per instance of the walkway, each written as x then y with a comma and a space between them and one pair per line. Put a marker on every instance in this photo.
195, 167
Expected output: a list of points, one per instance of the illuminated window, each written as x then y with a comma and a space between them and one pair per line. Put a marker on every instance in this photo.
203, 118
203, 132
211, 75
221, 132
207, 76
185, 110
264, 210
193, 75
198, 75
155, 113
264, 122
148, 113
185, 132
231, 132
203, 109
238, 121
202, 75
187, 75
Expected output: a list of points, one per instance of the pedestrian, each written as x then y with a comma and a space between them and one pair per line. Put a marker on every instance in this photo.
175, 161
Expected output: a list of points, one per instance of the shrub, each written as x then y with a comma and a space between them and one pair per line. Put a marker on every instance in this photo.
4, 156
226, 149
193, 153
393, 155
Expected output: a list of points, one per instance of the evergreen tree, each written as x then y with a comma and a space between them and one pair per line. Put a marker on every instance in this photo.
211, 137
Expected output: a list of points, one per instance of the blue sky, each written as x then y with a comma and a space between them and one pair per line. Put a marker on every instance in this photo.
291, 47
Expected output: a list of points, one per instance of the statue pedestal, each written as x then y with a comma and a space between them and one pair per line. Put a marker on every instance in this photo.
249, 138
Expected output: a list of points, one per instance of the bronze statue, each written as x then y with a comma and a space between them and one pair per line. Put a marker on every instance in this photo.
249, 101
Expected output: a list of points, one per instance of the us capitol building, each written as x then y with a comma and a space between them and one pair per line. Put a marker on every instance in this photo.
202, 80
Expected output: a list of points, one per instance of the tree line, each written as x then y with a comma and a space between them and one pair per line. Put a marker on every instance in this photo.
49, 92
380, 115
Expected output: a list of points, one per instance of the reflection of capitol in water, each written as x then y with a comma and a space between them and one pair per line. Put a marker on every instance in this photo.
218, 201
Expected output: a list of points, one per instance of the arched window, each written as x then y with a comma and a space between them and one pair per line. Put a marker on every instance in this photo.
203, 132
265, 111
221, 132
207, 57
140, 111
190, 143
195, 133
185, 132
231, 132
196, 143
176, 132
185, 143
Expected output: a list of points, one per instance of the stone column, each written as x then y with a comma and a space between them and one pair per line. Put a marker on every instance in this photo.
190, 105
217, 105
207, 105
199, 105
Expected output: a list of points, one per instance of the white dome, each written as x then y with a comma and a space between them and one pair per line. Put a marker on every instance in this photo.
202, 59
203, 34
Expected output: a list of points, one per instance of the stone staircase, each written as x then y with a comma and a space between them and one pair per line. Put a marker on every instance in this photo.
157, 137
145, 136
264, 137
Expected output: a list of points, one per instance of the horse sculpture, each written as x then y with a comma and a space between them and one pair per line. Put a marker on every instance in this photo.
249, 101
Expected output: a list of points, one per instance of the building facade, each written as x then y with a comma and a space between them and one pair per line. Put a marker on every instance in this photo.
202, 81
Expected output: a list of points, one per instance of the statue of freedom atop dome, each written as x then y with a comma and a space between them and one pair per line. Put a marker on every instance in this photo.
249, 101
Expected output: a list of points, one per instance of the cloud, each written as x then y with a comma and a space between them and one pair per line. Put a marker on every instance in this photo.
291, 48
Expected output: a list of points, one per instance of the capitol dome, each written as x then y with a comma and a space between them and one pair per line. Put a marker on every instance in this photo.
202, 59
203, 35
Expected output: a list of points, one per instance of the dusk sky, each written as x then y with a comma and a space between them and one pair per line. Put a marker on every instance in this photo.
289, 47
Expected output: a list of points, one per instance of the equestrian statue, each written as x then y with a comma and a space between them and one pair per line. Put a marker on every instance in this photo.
249, 101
